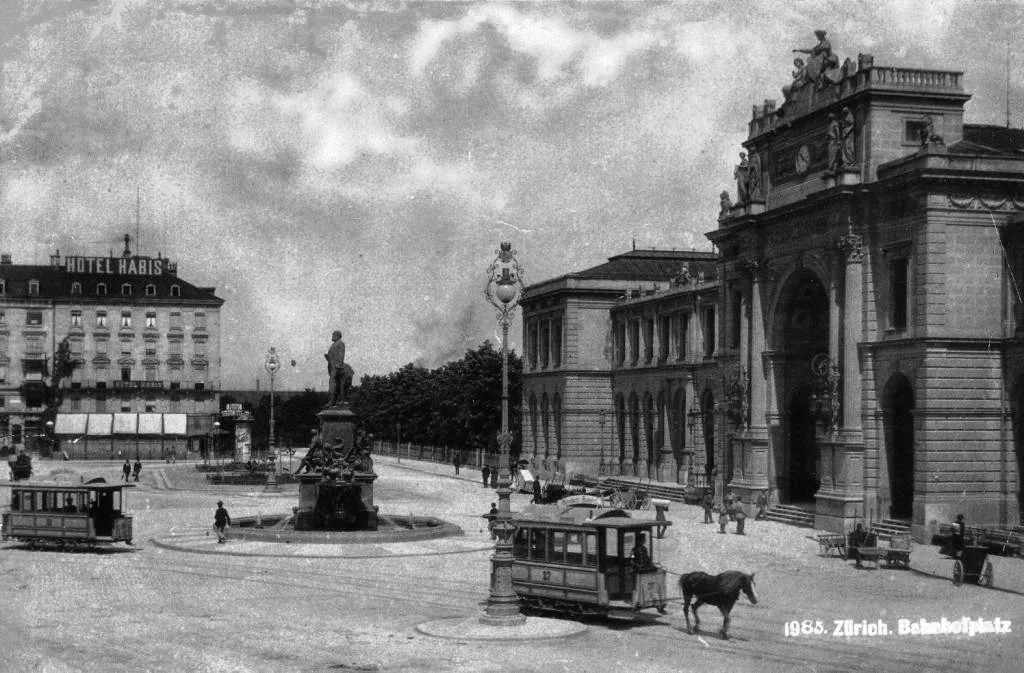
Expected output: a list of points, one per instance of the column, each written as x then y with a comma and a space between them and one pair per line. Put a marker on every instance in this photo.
852, 246
757, 366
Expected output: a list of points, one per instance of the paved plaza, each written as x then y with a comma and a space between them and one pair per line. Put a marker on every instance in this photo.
177, 601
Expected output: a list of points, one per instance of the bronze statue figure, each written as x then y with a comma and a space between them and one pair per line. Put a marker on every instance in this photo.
339, 373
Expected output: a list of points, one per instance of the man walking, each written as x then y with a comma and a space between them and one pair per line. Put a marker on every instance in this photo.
221, 521
740, 514
138, 469
486, 472
126, 469
709, 505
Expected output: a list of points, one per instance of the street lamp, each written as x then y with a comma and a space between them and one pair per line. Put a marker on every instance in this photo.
272, 365
216, 446
504, 290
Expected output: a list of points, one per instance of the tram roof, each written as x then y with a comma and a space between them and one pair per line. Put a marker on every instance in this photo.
595, 517
67, 486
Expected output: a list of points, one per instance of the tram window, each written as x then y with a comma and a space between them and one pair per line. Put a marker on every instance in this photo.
519, 545
574, 549
538, 544
611, 545
16, 501
590, 550
557, 553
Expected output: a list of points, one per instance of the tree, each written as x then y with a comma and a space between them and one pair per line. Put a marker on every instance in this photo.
456, 405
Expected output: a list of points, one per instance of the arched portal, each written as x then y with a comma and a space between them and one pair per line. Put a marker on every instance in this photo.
801, 332
898, 415
802, 474
1018, 444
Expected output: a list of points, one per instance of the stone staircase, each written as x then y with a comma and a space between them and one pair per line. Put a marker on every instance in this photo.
889, 527
792, 515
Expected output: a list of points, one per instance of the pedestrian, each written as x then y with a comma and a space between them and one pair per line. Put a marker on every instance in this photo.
486, 472
492, 518
640, 557
494, 478
723, 517
709, 506
457, 462
660, 507
739, 514
126, 469
762, 506
138, 469
538, 496
729, 504
221, 521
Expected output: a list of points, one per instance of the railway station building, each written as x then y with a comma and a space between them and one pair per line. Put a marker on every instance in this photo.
107, 357
855, 344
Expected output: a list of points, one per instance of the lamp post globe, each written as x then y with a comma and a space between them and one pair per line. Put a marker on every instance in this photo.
504, 290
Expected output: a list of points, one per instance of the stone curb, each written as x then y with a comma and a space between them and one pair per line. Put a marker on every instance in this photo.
470, 628
187, 544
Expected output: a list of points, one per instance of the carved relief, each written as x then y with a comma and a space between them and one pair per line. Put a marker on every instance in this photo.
976, 201
852, 246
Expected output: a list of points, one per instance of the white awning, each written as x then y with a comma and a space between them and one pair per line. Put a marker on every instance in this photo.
99, 424
126, 424
175, 424
70, 424
151, 424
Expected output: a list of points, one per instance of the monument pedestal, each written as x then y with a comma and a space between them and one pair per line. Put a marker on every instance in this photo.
345, 503
337, 424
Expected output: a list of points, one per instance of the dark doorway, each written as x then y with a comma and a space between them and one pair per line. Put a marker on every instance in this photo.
899, 417
803, 447
707, 407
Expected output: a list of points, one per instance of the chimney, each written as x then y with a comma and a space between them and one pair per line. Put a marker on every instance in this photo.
5, 258
55, 259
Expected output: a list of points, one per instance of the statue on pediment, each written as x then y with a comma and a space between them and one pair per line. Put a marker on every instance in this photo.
846, 134
799, 78
741, 175
822, 64
726, 204
683, 276
754, 178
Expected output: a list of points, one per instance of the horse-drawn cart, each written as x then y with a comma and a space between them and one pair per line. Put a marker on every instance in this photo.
631, 497
974, 566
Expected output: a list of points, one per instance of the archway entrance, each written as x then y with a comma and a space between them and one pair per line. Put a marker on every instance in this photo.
802, 471
898, 412
801, 328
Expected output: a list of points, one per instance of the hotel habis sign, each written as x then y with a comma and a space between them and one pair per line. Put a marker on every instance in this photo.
121, 266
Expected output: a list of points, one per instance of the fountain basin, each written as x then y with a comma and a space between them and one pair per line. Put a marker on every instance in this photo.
390, 528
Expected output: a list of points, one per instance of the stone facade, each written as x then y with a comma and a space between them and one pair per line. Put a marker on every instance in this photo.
857, 349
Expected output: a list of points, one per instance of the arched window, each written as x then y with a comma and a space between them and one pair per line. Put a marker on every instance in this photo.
126, 289
76, 288
101, 289
556, 407
175, 290
33, 287
545, 424
150, 290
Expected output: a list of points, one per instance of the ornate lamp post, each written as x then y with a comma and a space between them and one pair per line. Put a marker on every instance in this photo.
504, 290
272, 365
216, 447
825, 396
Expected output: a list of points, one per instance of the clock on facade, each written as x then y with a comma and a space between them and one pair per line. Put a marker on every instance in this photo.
803, 159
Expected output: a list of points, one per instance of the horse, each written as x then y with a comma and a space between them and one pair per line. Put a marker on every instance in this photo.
720, 590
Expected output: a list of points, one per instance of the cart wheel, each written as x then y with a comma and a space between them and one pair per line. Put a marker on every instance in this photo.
958, 573
987, 575
647, 502
824, 548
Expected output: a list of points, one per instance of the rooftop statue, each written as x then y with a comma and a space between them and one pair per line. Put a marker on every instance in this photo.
822, 64
741, 175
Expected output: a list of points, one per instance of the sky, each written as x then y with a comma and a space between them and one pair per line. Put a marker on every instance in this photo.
355, 165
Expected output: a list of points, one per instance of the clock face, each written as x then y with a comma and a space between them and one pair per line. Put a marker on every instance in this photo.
803, 159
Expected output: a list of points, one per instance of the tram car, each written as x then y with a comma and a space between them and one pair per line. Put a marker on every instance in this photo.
67, 515
584, 561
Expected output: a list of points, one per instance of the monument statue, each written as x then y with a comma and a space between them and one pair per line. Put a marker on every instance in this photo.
835, 143
725, 204
339, 373
799, 78
754, 178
